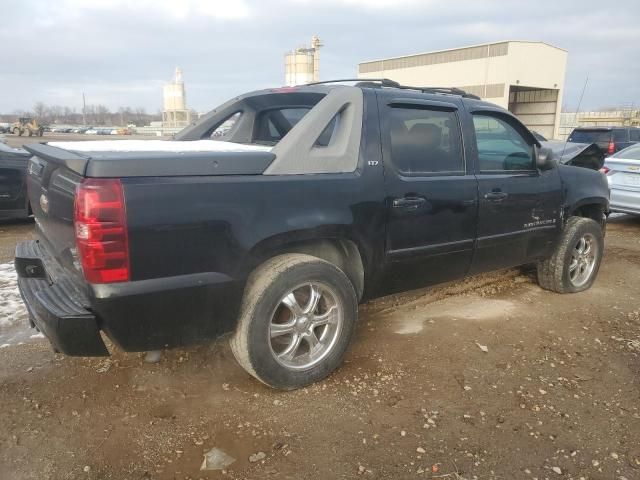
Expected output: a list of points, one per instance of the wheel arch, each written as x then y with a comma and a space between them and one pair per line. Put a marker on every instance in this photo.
594, 208
342, 252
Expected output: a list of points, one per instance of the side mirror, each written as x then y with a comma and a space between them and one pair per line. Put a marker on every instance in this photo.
544, 158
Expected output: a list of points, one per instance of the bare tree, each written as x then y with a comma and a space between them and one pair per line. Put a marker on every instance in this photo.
39, 110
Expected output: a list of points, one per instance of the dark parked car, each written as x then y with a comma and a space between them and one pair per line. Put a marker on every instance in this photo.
317, 198
609, 139
13, 190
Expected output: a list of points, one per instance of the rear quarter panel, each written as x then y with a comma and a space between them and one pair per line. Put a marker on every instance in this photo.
215, 224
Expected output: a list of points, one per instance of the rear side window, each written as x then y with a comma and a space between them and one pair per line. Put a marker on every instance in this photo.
634, 134
226, 126
500, 146
620, 135
590, 136
272, 125
425, 141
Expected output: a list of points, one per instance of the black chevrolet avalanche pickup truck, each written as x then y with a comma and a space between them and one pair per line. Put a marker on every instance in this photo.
273, 216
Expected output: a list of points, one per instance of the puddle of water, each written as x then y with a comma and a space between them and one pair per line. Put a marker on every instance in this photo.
14, 323
464, 308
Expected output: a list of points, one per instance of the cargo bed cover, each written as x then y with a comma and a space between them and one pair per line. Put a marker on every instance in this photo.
155, 158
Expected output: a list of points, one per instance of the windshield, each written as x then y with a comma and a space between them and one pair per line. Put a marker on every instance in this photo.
629, 153
590, 136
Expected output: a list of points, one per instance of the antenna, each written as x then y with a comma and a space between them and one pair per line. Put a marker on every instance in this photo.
566, 140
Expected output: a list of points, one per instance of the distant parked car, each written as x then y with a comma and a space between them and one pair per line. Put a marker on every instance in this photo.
91, 131
623, 173
609, 139
14, 202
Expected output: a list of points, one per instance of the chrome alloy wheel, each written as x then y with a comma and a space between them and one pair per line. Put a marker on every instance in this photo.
583, 260
305, 326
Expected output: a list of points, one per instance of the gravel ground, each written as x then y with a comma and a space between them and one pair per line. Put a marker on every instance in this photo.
488, 378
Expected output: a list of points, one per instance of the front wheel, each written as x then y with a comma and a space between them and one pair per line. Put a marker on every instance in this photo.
574, 265
296, 321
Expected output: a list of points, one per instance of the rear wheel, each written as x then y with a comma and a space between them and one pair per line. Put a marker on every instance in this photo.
296, 322
574, 265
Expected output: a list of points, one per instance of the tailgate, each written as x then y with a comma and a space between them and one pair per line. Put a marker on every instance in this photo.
52, 177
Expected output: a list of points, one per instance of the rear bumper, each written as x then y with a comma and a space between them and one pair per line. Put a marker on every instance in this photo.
138, 316
58, 310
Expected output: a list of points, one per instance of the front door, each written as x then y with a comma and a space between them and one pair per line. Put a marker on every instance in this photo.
431, 192
519, 214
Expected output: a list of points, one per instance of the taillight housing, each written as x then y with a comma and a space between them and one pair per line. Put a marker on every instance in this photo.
605, 170
612, 148
100, 221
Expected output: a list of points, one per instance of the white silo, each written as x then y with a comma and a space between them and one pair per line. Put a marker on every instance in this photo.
175, 113
302, 65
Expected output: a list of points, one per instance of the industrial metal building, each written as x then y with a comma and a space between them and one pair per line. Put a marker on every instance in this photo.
525, 77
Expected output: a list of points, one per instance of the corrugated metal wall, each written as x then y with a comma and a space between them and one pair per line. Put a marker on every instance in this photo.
457, 55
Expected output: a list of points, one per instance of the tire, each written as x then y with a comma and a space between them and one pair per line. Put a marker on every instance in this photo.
564, 272
260, 343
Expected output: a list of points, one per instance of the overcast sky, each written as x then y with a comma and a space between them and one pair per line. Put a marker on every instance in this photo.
121, 52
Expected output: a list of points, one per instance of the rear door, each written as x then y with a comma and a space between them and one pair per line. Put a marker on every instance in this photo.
519, 206
431, 192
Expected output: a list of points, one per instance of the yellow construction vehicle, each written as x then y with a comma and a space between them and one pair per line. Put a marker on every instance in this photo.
28, 125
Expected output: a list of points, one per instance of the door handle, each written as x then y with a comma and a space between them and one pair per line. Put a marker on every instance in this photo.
496, 196
410, 203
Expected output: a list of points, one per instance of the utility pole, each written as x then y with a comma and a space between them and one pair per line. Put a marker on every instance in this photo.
84, 110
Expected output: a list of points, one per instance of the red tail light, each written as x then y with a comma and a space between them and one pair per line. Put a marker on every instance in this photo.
612, 148
605, 170
101, 230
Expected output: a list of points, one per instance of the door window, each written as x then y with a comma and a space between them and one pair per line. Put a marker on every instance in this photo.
634, 134
500, 146
425, 141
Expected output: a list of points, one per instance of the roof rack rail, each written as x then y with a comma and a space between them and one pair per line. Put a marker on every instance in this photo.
388, 83
384, 82
445, 90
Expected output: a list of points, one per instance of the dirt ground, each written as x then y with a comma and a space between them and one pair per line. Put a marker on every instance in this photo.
555, 396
